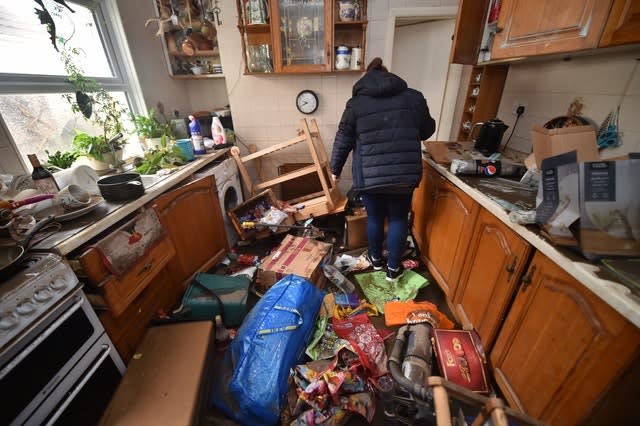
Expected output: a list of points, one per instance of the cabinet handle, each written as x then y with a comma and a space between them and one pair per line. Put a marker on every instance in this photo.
145, 267
527, 279
512, 268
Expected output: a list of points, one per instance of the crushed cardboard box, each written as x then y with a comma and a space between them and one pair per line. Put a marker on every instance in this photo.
295, 255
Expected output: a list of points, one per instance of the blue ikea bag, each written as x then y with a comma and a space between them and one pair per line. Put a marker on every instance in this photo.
251, 383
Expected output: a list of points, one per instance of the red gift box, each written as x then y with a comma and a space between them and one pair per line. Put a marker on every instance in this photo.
461, 358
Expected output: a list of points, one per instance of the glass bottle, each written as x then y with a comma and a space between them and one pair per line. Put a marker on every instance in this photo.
42, 178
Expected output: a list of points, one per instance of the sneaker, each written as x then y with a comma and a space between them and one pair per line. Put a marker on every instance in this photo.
377, 264
394, 274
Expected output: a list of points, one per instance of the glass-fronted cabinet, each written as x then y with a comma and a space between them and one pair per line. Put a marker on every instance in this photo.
303, 36
303, 42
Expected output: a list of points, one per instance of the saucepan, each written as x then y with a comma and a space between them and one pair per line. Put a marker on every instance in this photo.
11, 254
121, 187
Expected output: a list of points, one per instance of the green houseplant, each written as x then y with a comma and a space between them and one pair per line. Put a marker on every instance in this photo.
150, 129
99, 107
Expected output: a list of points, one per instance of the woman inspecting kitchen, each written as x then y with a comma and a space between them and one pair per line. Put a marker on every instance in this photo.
383, 124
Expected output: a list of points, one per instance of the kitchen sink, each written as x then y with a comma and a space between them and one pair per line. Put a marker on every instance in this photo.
150, 180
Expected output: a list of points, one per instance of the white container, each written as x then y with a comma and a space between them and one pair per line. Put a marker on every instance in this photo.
356, 58
218, 134
343, 58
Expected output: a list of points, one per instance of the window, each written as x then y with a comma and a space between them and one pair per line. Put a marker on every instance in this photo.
32, 77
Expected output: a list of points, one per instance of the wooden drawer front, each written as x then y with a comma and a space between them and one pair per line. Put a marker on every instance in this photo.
120, 292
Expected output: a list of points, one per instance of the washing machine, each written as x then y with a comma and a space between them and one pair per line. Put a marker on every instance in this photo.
229, 191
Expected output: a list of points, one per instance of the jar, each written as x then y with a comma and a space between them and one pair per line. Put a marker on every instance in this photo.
346, 10
343, 58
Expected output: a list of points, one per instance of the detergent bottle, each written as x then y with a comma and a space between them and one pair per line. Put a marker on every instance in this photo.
196, 136
218, 133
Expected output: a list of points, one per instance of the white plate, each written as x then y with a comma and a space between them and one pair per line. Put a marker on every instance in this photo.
62, 215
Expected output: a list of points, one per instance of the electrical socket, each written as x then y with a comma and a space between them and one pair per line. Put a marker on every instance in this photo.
516, 105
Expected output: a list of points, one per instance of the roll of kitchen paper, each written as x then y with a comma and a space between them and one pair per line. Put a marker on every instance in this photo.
356, 58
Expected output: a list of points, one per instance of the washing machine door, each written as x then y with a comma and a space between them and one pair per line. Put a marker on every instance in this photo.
230, 195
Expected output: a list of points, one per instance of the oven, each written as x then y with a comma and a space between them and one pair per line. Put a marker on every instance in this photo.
57, 364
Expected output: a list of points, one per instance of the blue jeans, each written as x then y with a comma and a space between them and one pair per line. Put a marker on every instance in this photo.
395, 208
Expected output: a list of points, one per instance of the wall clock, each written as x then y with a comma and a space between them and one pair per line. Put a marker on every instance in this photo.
307, 102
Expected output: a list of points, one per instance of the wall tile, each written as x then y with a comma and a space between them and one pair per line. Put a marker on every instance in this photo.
378, 9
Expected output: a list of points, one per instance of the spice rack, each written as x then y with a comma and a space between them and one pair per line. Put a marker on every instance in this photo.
483, 96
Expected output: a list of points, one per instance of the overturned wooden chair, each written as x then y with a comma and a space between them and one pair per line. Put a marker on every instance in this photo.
327, 201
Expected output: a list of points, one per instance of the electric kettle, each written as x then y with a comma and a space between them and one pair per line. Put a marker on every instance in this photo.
489, 136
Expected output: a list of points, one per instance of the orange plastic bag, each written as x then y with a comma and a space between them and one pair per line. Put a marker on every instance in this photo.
411, 312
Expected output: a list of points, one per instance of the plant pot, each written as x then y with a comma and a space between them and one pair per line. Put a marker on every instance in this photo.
121, 187
152, 143
107, 164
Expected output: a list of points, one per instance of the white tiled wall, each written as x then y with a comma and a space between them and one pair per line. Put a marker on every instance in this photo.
602, 81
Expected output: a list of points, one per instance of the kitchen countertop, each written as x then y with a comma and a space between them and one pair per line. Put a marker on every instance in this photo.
74, 233
590, 275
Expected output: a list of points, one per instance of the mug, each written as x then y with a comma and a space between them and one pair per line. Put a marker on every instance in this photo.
73, 197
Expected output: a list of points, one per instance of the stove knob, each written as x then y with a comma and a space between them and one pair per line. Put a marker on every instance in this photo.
8, 322
58, 284
26, 308
43, 295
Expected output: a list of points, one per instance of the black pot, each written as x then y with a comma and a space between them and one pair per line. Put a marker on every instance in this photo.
121, 187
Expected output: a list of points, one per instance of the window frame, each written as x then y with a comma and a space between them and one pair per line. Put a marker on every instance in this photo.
111, 31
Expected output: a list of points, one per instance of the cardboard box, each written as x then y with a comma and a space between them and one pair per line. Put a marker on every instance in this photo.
163, 385
593, 206
356, 230
610, 207
552, 142
251, 210
295, 255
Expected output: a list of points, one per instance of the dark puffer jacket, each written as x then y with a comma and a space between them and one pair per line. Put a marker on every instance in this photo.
383, 124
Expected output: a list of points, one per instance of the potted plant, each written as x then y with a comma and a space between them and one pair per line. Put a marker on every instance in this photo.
60, 160
98, 106
150, 129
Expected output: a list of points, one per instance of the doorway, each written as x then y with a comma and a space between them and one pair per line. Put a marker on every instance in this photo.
417, 49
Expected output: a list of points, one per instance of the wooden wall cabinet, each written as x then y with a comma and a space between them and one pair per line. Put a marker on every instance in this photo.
561, 347
484, 92
298, 37
623, 25
449, 230
193, 219
495, 260
527, 28
468, 31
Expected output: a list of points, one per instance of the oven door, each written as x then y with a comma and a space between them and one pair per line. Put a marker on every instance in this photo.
33, 368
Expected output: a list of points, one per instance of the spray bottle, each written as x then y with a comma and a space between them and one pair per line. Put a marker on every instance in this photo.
218, 133
196, 136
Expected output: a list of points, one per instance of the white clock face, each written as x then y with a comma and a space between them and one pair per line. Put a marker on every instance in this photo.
307, 102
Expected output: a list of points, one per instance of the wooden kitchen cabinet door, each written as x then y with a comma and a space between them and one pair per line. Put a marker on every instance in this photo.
531, 28
468, 33
421, 206
496, 259
561, 347
623, 26
448, 234
193, 218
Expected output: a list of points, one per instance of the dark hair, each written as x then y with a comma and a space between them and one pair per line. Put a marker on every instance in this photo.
376, 65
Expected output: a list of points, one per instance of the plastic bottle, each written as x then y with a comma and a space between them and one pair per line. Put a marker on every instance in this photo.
218, 133
484, 168
196, 136
339, 280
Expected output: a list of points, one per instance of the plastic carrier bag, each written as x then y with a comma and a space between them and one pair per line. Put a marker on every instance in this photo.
252, 381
